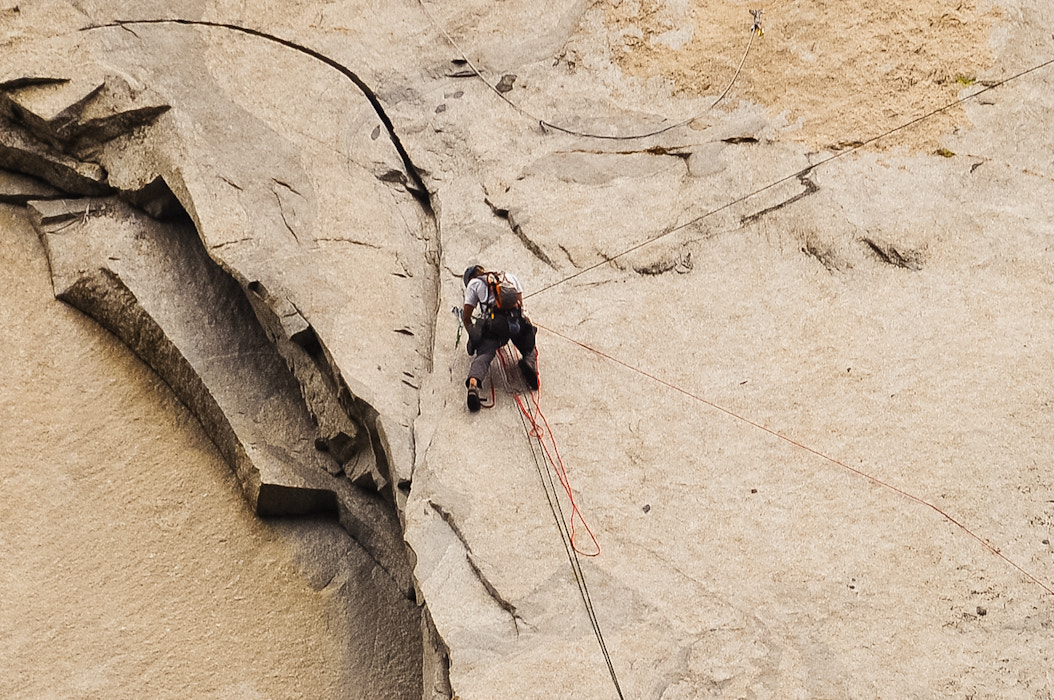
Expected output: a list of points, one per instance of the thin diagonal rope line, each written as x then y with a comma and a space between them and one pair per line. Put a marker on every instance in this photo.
906, 494
795, 175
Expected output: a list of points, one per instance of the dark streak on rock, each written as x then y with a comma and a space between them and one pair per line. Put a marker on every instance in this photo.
517, 229
281, 211
675, 151
567, 253
810, 188
393, 176
491, 590
892, 255
352, 241
27, 81
825, 256
286, 185
224, 244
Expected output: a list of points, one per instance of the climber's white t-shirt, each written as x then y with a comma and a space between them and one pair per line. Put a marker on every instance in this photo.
477, 291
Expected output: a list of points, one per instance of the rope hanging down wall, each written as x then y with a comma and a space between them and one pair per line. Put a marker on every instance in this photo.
567, 535
547, 460
572, 552
755, 30
547, 125
795, 175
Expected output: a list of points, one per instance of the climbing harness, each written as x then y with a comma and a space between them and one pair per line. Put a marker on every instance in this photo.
502, 313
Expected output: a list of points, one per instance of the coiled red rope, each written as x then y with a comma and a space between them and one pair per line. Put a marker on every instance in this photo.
530, 406
548, 460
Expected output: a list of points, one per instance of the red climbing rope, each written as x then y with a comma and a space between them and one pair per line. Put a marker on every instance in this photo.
538, 427
984, 542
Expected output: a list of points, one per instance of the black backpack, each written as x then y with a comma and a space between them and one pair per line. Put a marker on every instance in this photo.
506, 297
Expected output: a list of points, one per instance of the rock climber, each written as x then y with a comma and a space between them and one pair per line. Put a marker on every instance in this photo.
500, 298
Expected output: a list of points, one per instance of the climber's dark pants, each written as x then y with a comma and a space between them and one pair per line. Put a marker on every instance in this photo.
488, 347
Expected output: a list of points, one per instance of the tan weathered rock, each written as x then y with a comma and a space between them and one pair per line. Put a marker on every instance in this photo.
49, 110
132, 274
19, 189
20, 152
796, 372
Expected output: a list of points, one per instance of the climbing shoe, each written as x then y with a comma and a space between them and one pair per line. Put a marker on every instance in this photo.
473, 398
529, 375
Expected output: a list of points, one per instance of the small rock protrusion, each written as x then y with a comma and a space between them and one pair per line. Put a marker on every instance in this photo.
505, 84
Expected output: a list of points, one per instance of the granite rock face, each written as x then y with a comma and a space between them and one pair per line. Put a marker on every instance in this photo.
795, 348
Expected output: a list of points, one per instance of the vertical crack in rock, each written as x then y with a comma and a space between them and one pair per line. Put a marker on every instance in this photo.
436, 666
826, 254
338, 408
810, 188
492, 591
419, 190
570, 257
345, 439
285, 194
433, 260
